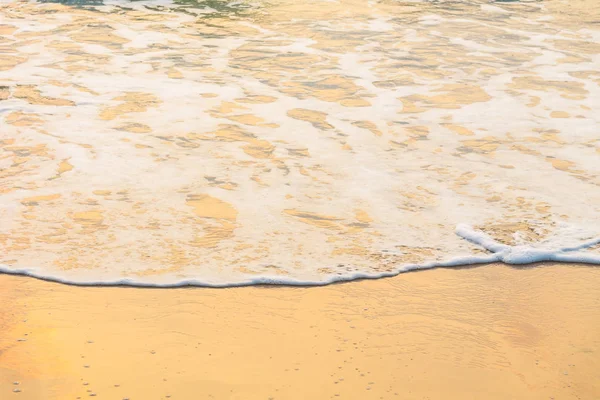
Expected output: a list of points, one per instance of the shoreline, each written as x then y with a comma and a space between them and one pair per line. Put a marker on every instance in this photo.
276, 284
495, 332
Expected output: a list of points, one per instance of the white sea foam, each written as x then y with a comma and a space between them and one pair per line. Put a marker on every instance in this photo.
154, 147
510, 255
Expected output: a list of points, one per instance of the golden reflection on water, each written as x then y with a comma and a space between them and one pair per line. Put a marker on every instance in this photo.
202, 140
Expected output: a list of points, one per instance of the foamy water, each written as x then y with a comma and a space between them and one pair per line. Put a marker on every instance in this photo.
209, 143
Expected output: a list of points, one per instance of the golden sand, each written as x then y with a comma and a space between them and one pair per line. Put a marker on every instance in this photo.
491, 332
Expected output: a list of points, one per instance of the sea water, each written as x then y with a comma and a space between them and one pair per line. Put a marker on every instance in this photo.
215, 143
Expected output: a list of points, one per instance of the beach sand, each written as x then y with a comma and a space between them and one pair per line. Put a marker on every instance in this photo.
489, 332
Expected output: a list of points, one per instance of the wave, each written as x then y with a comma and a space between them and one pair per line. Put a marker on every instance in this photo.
511, 255
152, 148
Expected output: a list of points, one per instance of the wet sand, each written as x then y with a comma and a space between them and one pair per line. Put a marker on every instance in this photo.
492, 332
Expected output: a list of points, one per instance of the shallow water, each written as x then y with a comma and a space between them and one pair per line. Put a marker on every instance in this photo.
297, 142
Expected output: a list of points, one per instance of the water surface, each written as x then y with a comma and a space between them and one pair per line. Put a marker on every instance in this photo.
301, 142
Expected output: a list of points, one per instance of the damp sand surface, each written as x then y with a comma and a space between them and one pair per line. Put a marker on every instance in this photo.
492, 332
